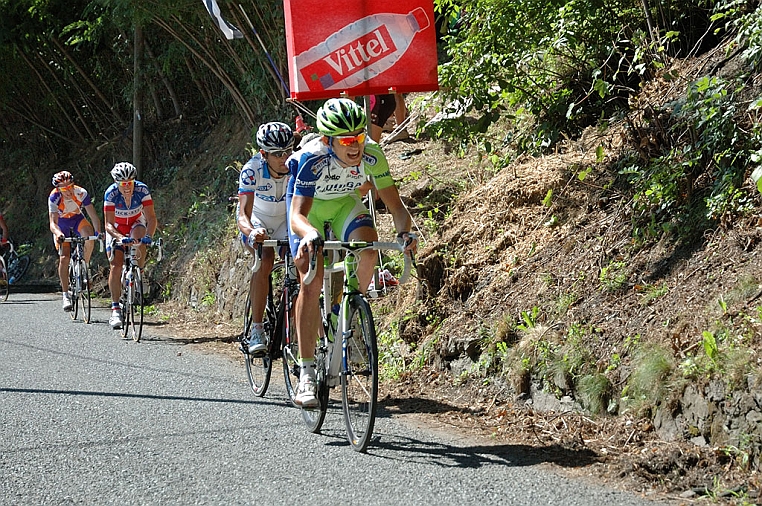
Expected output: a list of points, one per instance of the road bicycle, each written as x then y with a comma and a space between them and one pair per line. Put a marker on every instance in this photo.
79, 276
132, 300
279, 323
16, 264
12, 268
347, 350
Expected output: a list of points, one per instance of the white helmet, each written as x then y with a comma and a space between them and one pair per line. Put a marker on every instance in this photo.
124, 171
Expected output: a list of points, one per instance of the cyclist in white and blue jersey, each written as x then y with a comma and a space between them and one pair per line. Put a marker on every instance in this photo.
261, 213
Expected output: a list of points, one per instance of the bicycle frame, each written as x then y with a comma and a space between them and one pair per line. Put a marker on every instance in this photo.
131, 282
347, 352
78, 274
337, 351
281, 336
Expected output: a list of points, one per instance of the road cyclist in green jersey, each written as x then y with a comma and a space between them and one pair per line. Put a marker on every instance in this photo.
327, 174
261, 215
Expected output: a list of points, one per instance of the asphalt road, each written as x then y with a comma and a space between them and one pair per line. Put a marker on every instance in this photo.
89, 418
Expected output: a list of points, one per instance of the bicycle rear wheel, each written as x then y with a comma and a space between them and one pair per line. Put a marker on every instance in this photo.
84, 290
4, 286
73, 289
359, 378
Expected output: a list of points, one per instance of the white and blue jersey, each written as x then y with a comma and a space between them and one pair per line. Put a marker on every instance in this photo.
269, 192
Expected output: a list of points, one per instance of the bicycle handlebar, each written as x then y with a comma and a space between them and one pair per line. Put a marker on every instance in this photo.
157, 243
269, 243
82, 239
358, 246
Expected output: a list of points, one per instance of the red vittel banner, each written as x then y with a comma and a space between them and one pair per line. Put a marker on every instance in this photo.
353, 48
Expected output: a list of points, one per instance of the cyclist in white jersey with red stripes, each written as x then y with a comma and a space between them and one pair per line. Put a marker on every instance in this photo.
129, 212
262, 213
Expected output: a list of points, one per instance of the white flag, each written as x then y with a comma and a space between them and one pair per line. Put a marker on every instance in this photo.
230, 31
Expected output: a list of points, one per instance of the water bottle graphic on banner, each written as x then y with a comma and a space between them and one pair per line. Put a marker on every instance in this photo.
359, 52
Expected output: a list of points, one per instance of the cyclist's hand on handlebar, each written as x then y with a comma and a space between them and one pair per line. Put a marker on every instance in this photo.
146, 239
3, 241
409, 240
309, 243
256, 235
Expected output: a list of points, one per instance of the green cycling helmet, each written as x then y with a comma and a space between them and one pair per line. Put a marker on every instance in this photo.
340, 116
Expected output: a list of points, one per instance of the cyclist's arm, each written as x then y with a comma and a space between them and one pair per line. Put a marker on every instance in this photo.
391, 198
54, 229
245, 206
4, 227
96, 221
300, 224
150, 214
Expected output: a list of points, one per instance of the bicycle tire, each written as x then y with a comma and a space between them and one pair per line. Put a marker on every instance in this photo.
124, 303
5, 288
136, 305
73, 292
258, 369
314, 417
84, 291
289, 341
359, 378
17, 267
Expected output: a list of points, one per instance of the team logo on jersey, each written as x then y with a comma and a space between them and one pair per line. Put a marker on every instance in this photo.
264, 187
320, 165
369, 159
248, 177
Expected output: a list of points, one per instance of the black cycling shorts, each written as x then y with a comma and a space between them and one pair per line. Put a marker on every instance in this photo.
382, 109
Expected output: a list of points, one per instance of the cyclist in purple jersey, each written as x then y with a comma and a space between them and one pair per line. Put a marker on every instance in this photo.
65, 205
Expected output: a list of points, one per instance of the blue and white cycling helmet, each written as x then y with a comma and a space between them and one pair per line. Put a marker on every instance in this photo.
275, 136
124, 171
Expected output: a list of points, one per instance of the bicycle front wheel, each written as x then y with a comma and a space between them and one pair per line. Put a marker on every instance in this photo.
359, 378
290, 344
314, 417
73, 289
258, 369
84, 290
4, 286
136, 305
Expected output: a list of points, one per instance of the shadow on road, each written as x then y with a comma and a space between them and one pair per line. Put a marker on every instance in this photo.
138, 396
475, 456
